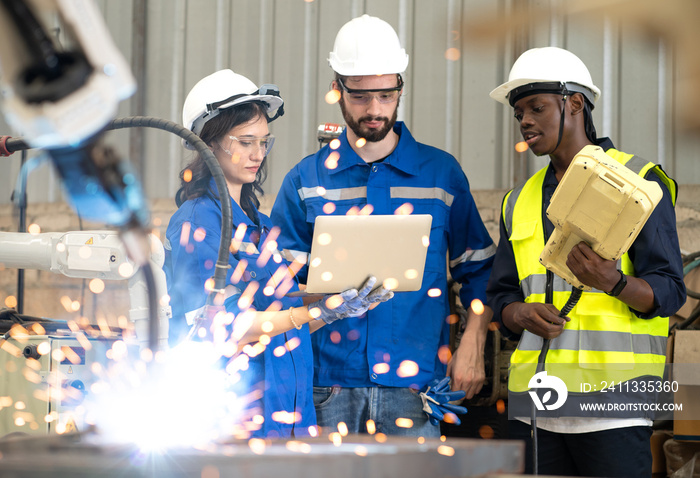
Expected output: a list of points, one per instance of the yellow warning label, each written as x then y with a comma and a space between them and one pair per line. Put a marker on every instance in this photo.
89, 241
71, 427
70, 369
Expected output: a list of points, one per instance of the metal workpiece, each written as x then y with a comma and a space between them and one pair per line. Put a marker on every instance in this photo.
357, 456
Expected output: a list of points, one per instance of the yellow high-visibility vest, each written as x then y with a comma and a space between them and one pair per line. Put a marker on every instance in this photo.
604, 341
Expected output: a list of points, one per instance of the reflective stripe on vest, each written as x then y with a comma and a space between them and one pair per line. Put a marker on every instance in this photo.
603, 332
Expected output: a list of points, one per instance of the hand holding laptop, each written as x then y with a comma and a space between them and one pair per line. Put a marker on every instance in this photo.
349, 303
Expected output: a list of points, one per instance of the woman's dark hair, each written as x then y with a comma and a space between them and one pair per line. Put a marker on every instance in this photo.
213, 131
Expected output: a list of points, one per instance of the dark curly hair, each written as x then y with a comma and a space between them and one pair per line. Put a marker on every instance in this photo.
213, 131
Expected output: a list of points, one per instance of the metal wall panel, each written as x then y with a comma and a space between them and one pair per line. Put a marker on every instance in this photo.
446, 101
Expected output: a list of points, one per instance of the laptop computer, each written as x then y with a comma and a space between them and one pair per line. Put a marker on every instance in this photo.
347, 249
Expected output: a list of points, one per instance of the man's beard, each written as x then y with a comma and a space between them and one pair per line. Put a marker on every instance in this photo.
371, 135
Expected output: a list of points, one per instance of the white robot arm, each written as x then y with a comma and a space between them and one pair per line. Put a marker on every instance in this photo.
90, 255
59, 96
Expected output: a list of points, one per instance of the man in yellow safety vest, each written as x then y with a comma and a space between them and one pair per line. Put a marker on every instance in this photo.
618, 330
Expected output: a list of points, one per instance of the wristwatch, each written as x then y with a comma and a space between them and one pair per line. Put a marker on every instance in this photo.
619, 286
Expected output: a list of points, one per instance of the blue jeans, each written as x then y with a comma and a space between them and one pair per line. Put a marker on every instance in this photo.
383, 405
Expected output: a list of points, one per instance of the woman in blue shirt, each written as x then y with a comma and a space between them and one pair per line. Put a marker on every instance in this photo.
270, 330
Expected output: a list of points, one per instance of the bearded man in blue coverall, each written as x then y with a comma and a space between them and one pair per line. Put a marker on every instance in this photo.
390, 171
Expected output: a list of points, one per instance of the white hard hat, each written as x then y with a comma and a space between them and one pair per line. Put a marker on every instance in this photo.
367, 46
224, 89
548, 69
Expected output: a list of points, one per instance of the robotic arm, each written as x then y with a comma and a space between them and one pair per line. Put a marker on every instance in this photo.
61, 98
90, 255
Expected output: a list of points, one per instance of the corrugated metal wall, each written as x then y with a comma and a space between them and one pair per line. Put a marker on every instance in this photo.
446, 101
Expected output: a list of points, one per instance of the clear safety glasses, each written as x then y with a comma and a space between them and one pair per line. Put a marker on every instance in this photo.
252, 144
364, 97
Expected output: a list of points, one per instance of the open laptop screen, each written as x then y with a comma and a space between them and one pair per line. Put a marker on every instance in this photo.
347, 249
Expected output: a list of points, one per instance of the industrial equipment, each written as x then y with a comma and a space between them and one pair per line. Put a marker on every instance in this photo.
47, 378
600, 202
46, 366
341, 457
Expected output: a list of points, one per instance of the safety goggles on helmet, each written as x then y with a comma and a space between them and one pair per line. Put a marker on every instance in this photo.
251, 144
364, 97
212, 109
550, 87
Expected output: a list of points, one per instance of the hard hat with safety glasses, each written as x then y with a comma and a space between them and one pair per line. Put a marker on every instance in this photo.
224, 89
546, 70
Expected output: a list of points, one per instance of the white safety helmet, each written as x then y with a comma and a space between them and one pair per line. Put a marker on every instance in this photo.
367, 46
546, 70
221, 90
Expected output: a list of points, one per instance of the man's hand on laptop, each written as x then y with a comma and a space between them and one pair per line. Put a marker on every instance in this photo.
349, 303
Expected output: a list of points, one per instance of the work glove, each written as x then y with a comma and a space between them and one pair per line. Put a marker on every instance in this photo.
436, 397
351, 302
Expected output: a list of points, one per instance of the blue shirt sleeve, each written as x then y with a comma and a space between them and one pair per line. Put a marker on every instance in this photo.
657, 257
471, 248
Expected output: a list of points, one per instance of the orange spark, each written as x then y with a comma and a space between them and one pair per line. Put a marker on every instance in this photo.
521, 147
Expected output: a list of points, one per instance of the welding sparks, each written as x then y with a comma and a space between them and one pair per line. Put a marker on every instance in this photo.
361, 450
381, 368
390, 283
199, 234
452, 54
126, 270
521, 147
477, 306
336, 438
186, 400
371, 427
404, 210
408, 368
332, 160
410, 274
444, 354
324, 239
501, 406
96, 286
446, 450
332, 97
298, 446
486, 432
404, 423
257, 445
